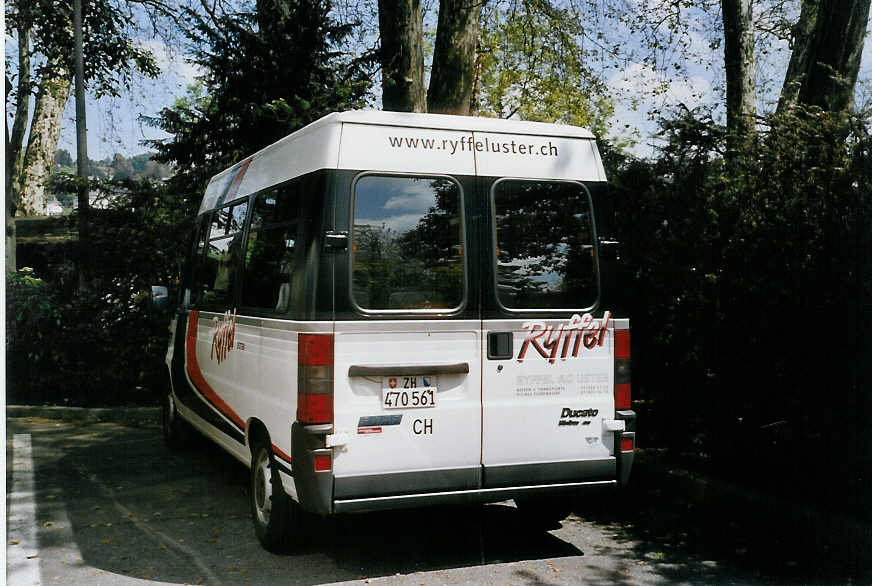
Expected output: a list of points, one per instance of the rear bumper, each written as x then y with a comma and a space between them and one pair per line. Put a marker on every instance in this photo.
468, 497
322, 493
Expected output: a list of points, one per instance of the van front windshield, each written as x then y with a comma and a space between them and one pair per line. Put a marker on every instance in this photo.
545, 254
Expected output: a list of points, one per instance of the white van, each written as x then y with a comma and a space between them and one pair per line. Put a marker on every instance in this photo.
388, 310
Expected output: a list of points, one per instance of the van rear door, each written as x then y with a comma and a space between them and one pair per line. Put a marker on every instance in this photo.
407, 366
547, 367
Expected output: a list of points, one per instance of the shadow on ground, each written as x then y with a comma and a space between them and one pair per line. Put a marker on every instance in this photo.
663, 521
130, 507
112, 500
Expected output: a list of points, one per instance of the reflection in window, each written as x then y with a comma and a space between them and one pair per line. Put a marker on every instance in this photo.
545, 245
407, 245
216, 277
271, 251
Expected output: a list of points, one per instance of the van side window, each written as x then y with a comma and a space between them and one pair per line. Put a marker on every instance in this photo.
271, 250
544, 245
407, 244
192, 294
217, 275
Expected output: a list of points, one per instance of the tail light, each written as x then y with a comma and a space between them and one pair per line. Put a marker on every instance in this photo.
322, 462
315, 378
622, 369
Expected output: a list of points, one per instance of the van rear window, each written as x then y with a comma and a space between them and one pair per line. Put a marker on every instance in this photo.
407, 246
544, 245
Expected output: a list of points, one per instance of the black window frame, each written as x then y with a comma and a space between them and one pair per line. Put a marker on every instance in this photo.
461, 209
300, 251
495, 246
204, 236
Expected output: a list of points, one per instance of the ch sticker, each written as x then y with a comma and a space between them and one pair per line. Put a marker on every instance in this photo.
422, 427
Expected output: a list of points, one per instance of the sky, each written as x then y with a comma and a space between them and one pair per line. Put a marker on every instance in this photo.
114, 124
638, 90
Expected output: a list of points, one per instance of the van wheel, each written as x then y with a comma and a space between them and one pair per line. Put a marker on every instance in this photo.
271, 509
543, 514
174, 429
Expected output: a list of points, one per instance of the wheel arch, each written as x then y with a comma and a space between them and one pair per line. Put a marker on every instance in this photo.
256, 430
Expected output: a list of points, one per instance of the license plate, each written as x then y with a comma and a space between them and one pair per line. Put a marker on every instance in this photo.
408, 392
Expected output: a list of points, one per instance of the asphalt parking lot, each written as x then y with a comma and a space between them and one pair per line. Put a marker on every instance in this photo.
104, 503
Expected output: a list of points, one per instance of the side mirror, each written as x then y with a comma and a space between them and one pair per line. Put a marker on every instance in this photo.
160, 298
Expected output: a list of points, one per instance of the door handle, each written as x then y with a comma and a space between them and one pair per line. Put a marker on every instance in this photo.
394, 369
500, 345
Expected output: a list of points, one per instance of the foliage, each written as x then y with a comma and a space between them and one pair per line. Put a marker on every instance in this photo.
32, 320
746, 282
262, 85
544, 81
111, 54
98, 347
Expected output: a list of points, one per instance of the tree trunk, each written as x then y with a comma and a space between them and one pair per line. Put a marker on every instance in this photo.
11, 260
475, 96
11, 256
402, 55
799, 55
22, 106
452, 77
45, 132
823, 69
739, 66
15, 142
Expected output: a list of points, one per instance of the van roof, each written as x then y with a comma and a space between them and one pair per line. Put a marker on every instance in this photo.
450, 122
321, 150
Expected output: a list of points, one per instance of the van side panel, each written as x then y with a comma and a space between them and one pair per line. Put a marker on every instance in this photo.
235, 365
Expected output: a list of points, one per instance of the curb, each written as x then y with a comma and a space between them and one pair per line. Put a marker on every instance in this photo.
125, 415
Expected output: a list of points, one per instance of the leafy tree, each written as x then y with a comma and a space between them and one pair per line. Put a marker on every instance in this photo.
63, 158
44, 35
268, 73
550, 82
98, 346
730, 271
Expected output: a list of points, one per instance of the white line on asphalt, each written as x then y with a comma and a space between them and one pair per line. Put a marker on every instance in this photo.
151, 532
22, 561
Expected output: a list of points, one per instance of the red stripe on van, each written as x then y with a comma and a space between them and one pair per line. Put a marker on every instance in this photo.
281, 454
197, 376
234, 186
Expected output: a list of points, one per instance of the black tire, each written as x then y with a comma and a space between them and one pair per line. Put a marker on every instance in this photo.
272, 511
544, 514
174, 428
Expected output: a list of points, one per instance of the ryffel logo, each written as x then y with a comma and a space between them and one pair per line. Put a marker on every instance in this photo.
580, 330
222, 336
571, 416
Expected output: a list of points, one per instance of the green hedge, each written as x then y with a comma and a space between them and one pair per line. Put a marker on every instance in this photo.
748, 279
103, 346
